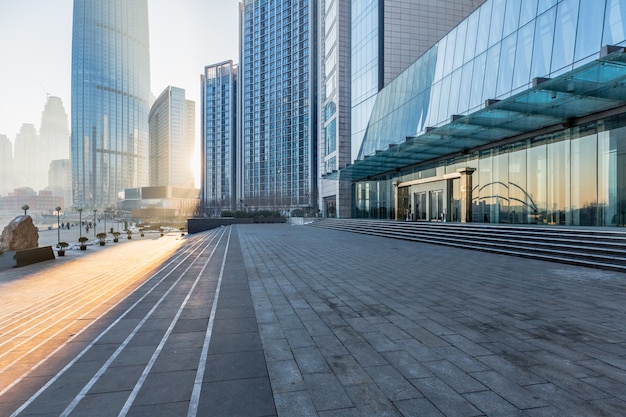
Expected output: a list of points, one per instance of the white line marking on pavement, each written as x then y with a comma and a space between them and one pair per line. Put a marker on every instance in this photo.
197, 385
88, 347
131, 398
83, 392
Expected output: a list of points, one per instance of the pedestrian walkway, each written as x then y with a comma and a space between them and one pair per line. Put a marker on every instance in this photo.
262, 320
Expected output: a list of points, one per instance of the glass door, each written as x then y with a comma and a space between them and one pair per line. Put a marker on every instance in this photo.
420, 206
436, 205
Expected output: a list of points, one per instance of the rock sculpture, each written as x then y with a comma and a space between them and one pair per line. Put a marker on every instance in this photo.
19, 234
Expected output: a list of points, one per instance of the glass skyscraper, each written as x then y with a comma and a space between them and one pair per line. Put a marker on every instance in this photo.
278, 152
110, 99
219, 134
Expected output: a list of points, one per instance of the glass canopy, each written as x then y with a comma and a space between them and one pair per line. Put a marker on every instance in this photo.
597, 86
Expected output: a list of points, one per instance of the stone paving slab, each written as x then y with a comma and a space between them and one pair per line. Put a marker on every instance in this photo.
358, 325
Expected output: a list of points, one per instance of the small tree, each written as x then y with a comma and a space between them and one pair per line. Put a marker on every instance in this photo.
102, 238
62, 246
116, 236
82, 241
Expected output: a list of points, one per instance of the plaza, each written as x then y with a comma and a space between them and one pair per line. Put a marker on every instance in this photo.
262, 320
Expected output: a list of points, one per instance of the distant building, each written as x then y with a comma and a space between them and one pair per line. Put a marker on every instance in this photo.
278, 90
39, 203
172, 139
218, 138
159, 205
6, 165
29, 159
60, 180
54, 134
110, 99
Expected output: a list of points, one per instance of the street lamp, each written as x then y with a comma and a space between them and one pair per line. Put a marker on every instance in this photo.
105, 219
94, 222
25, 207
80, 222
58, 209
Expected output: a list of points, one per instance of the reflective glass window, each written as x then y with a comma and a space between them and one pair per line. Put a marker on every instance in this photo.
497, 21
476, 97
470, 40
491, 72
466, 84
482, 36
511, 17
523, 55
441, 54
607, 179
507, 60
615, 21
528, 11
518, 200
589, 34
565, 28
455, 88
544, 5
443, 99
584, 184
542, 51
459, 48
450, 50
558, 182
537, 183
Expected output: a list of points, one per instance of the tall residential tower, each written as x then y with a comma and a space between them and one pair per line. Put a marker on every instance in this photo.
278, 111
219, 135
110, 99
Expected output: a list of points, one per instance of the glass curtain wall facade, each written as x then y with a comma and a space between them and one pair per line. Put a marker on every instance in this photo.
172, 139
552, 155
218, 146
278, 105
110, 99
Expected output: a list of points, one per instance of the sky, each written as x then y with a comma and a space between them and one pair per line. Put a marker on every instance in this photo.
36, 47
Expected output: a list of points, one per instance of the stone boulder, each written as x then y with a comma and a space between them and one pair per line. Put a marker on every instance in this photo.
19, 234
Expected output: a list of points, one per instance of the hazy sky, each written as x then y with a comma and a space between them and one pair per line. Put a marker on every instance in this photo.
36, 45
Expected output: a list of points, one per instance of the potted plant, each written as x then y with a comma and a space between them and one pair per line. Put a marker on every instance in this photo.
182, 231
62, 246
116, 236
128, 233
142, 235
102, 238
162, 231
82, 241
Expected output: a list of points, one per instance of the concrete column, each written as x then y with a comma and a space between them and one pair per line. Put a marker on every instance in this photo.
466, 193
395, 199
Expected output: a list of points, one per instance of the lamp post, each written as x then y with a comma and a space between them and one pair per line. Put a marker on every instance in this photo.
80, 222
105, 219
25, 207
94, 222
58, 209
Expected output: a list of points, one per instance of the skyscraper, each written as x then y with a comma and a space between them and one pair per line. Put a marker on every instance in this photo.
110, 99
219, 134
278, 62
172, 139
30, 169
6, 165
54, 134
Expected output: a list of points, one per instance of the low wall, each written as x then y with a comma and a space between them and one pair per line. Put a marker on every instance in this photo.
17, 258
201, 224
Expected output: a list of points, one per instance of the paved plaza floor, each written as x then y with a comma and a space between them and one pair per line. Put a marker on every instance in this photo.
280, 320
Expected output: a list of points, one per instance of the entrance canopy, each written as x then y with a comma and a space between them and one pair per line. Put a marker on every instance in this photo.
594, 87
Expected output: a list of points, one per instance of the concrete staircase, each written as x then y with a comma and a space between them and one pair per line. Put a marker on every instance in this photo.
603, 248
